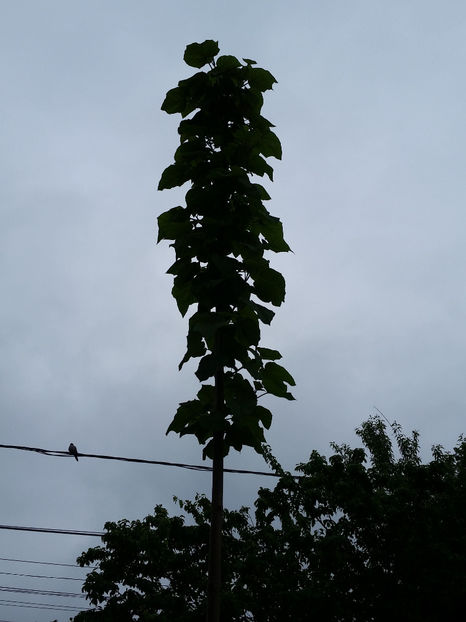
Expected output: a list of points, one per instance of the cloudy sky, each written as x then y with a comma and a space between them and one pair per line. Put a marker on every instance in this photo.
369, 107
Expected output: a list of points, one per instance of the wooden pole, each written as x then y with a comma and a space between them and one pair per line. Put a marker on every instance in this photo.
216, 522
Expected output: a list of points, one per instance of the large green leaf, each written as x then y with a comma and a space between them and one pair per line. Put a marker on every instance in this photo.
269, 355
272, 230
247, 330
270, 286
207, 323
240, 396
207, 368
227, 62
182, 292
245, 431
206, 395
184, 268
264, 195
264, 415
186, 414
270, 145
175, 100
275, 379
253, 367
265, 315
199, 54
261, 79
174, 175
188, 128
194, 92
195, 347
190, 151
259, 166
173, 223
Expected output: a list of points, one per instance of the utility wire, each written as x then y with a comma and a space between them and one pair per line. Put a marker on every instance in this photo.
30, 561
72, 532
39, 576
26, 590
31, 605
192, 467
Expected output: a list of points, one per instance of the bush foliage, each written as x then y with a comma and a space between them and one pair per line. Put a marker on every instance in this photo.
370, 533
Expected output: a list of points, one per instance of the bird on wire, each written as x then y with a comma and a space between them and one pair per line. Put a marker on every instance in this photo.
73, 451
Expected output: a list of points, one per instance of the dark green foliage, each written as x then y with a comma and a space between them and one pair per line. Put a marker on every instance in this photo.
361, 537
199, 54
220, 238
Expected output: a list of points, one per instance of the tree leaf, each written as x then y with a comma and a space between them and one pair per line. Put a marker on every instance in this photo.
191, 151
270, 145
186, 414
174, 175
269, 355
207, 323
264, 195
259, 166
263, 313
227, 62
195, 347
240, 397
173, 224
272, 230
270, 286
275, 378
174, 101
261, 79
207, 368
199, 54
264, 415
206, 395
182, 292
280, 372
247, 330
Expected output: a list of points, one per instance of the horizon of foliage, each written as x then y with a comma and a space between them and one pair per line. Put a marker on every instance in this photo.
368, 534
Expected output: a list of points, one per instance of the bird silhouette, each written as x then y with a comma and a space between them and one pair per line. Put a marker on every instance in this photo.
73, 451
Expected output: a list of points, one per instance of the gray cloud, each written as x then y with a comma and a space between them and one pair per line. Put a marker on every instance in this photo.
369, 108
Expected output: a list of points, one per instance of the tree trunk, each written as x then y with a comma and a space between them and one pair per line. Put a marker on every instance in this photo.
216, 522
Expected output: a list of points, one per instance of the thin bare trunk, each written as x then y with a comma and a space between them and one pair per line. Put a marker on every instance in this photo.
216, 522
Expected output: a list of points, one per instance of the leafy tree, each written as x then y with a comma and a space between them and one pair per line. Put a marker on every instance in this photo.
220, 238
361, 536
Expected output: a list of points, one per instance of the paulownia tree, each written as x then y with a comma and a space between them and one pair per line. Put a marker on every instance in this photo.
220, 237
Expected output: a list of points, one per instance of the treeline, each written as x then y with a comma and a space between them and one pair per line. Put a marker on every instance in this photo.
369, 534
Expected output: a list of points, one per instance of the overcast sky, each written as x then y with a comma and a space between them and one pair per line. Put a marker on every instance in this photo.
369, 107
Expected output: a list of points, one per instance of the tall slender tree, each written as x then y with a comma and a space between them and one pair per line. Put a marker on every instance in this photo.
220, 238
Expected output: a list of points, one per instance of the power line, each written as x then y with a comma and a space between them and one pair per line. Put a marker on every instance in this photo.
30, 561
26, 590
32, 605
56, 593
39, 576
192, 467
72, 532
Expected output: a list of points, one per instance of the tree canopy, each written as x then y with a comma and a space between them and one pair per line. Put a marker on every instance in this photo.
370, 533
220, 238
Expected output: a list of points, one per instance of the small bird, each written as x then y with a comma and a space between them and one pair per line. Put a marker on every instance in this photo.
73, 451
